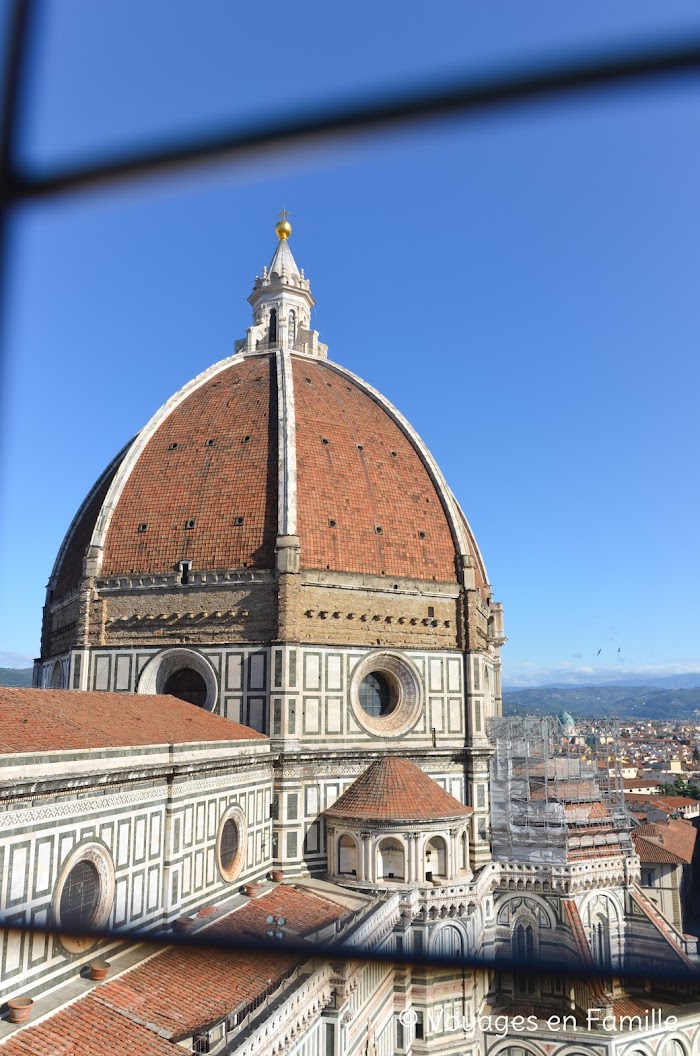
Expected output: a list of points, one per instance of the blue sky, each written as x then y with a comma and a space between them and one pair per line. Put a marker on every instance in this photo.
522, 287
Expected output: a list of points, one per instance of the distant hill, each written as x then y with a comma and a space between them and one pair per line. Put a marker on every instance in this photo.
619, 701
15, 676
688, 680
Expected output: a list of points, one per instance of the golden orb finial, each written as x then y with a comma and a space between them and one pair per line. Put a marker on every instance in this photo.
283, 229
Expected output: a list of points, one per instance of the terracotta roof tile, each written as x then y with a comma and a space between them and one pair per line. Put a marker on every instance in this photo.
397, 790
355, 467
649, 851
86, 1026
45, 720
672, 840
367, 476
182, 989
208, 484
305, 912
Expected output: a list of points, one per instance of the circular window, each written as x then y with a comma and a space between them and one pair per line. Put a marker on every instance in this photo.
84, 895
80, 897
385, 694
188, 685
377, 695
230, 843
183, 673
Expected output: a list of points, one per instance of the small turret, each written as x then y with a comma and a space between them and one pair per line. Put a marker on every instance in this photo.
282, 303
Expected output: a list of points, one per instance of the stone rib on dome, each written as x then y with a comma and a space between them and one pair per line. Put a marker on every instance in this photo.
397, 790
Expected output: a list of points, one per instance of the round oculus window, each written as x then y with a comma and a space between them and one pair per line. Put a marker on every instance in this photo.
188, 685
84, 895
182, 673
230, 843
80, 897
385, 694
378, 696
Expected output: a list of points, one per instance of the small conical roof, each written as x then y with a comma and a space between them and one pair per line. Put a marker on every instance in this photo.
397, 790
283, 262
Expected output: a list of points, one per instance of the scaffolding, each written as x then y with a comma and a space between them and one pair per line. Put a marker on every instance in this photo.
556, 797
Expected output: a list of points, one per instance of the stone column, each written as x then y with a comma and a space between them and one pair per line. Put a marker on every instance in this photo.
409, 837
452, 855
364, 868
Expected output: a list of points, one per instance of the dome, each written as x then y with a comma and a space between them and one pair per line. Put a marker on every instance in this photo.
273, 442
566, 719
396, 790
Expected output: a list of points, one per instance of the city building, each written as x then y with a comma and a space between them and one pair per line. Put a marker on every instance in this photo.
268, 706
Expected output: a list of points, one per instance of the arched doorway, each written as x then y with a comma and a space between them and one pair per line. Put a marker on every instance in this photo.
435, 858
390, 860
347, 856
188, 685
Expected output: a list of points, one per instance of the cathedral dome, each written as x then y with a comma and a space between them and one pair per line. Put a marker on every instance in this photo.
274, 442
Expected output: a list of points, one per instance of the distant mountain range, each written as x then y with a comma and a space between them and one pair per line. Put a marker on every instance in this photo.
689, 680
15, 676
620, 701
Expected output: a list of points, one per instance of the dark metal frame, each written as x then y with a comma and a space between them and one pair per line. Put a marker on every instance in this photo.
460, 98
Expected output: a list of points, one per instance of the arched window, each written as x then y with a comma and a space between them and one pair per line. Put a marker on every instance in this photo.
463, 852
524, 955
292, 328
435, 858
347, 856
390, 860
57, 676
600, 934
273, 325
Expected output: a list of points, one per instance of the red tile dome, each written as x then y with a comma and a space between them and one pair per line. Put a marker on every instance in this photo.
202, 483
273, 446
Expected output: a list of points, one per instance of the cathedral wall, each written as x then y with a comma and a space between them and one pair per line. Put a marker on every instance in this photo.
155, 849
130, 610
418, 618
299, 693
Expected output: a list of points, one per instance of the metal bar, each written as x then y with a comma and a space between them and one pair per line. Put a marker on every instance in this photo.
460, 98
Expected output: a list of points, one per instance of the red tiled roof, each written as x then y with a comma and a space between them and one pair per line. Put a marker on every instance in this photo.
368, 475
45, 720
86, 1026
181, 990
649, 851
672, 841
397, 790
663, 926
305, 912
185, 989
674, 801
208, 484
